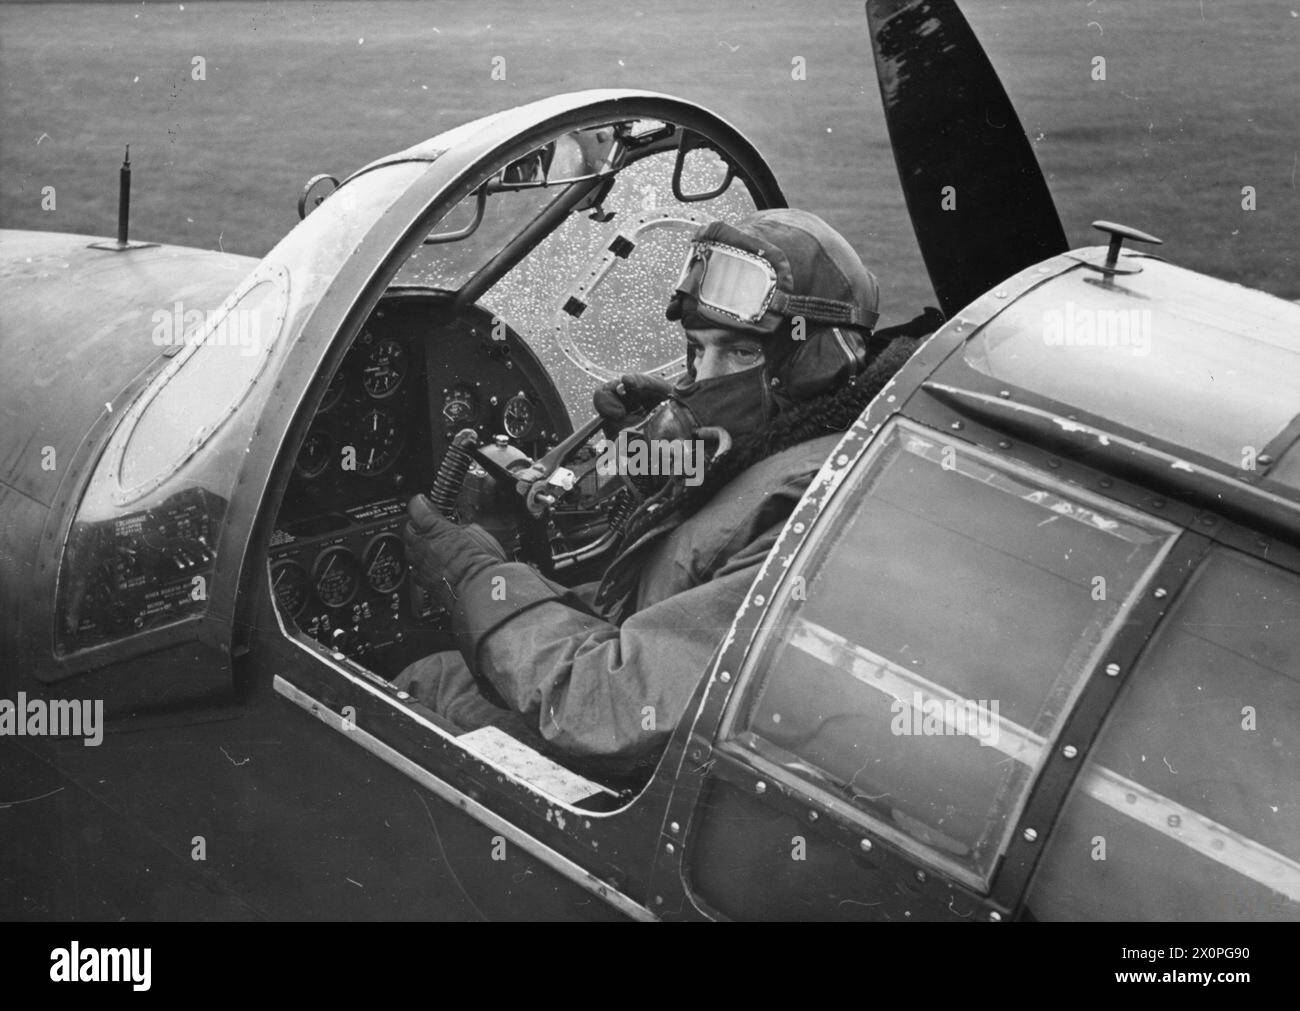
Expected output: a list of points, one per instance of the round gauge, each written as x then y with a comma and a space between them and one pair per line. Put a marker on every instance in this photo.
315, 455
459, 408
518, 416
384, 563
289, 581
378, 439
337, 576
384, 369
333, 392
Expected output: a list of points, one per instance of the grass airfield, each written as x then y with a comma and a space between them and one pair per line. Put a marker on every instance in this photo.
1200, 100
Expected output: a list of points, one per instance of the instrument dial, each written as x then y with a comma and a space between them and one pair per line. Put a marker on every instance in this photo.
384, 370
379, 440
458, 411
315, 454
518, 417
336, 576
289, 581
384, 563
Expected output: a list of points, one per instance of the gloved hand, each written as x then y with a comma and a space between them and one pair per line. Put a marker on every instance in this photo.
618, 398
443, 555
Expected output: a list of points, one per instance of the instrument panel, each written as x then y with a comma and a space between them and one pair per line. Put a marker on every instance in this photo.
366, 438
414, 377
344, 580
496, 386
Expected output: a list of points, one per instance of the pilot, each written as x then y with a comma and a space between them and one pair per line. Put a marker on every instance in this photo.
778, 314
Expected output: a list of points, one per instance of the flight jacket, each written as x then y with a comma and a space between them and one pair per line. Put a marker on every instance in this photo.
614, 687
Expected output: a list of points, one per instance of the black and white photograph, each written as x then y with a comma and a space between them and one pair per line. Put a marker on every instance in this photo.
780, 461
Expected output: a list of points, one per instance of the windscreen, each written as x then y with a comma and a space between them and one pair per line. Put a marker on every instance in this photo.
591, 297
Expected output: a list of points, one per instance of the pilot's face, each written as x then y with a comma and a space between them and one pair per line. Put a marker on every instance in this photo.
721, 352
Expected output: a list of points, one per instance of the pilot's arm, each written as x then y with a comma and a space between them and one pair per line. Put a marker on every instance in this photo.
592, 688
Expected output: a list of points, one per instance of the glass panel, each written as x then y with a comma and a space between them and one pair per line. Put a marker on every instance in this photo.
206, 385
448, 265
1197, 362
614, 272
1187, 808
703, 171
922, 653
582, 154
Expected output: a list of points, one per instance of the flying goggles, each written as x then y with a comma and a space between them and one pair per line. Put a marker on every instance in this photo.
735, 285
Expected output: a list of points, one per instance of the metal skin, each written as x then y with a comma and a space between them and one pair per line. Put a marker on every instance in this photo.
280, 778
76, 325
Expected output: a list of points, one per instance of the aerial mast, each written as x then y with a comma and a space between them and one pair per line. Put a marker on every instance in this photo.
123, 211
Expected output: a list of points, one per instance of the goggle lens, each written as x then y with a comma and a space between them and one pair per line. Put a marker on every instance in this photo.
730, 281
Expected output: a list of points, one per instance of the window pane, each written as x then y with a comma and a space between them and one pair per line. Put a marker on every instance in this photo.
448, 265
619, 326
1187, 808
208, 385
922, 655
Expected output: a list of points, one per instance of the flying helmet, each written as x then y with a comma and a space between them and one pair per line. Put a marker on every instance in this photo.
789, 278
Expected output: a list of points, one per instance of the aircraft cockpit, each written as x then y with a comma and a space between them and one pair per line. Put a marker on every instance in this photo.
547, 279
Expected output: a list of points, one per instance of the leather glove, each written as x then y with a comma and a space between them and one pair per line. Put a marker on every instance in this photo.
633, 392
443, 555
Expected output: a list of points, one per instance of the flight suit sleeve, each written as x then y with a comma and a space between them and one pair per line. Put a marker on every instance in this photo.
594, 689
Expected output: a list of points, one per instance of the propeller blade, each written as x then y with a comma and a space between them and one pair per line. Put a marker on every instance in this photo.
952, 125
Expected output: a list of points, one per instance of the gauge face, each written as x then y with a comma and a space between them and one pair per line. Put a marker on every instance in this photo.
379, 440
459, 408
384, 563
336, 576
334, 391
289, 581
385, 369
518, 417
315, 454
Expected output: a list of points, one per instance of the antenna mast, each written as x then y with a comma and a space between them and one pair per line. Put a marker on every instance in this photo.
123, 212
